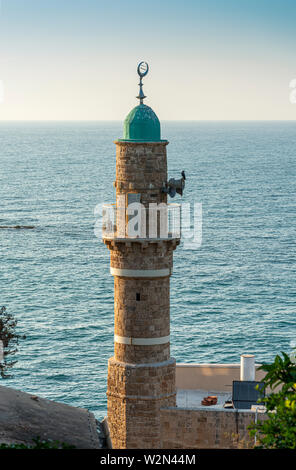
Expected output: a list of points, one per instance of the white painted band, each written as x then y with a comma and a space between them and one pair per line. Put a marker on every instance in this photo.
140, 272
141, 341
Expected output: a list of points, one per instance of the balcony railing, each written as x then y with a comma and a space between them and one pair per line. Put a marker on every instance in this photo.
162, 221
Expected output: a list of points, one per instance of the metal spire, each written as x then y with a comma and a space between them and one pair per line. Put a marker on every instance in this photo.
143, 69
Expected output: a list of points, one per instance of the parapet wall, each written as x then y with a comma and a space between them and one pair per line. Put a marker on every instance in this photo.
217, 377
183, 428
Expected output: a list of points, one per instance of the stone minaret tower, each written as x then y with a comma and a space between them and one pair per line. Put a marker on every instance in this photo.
141, 375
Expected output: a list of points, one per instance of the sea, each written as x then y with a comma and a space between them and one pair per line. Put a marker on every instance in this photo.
232, 294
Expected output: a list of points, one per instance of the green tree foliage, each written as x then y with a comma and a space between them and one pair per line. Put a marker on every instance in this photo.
9, 340
279, 430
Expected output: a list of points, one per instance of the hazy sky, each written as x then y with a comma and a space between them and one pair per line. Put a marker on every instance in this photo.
209, 59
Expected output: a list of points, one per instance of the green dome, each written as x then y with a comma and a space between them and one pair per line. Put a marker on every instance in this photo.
142, 125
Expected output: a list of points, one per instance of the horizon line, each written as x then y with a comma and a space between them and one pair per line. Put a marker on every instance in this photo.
163, 120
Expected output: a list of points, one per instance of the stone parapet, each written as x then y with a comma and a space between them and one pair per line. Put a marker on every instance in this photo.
183, 428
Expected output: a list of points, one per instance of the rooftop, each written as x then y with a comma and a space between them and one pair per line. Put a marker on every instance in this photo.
194, 382
192, 399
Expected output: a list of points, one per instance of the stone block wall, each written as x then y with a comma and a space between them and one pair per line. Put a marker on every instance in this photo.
141, 167
135, 395
149, 316
140, 255
206, 429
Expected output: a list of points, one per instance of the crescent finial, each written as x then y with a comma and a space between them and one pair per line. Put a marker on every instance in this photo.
143, 69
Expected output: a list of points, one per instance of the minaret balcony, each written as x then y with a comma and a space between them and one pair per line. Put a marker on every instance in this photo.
158, 222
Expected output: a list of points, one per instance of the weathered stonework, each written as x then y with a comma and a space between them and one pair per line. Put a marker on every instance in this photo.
206, 429
141, 168
135, 395
141, 377
136, 255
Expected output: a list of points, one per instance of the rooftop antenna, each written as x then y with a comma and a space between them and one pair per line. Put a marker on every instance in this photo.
143, 69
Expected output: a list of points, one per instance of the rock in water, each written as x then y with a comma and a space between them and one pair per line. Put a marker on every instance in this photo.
17, 227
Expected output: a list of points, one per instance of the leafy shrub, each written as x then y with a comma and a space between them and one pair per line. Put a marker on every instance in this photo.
38, 444
9, 340
279, 430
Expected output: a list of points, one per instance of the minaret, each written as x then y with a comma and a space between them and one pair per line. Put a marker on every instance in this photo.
141, 375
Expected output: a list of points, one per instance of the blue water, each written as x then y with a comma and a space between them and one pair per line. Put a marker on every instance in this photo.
235, 294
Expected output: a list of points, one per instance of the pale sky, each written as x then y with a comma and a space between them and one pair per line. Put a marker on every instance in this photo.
209, 59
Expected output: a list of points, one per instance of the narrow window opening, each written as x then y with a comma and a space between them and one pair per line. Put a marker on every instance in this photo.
138, 297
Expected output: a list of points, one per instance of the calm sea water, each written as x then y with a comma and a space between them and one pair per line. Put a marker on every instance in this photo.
235, 294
